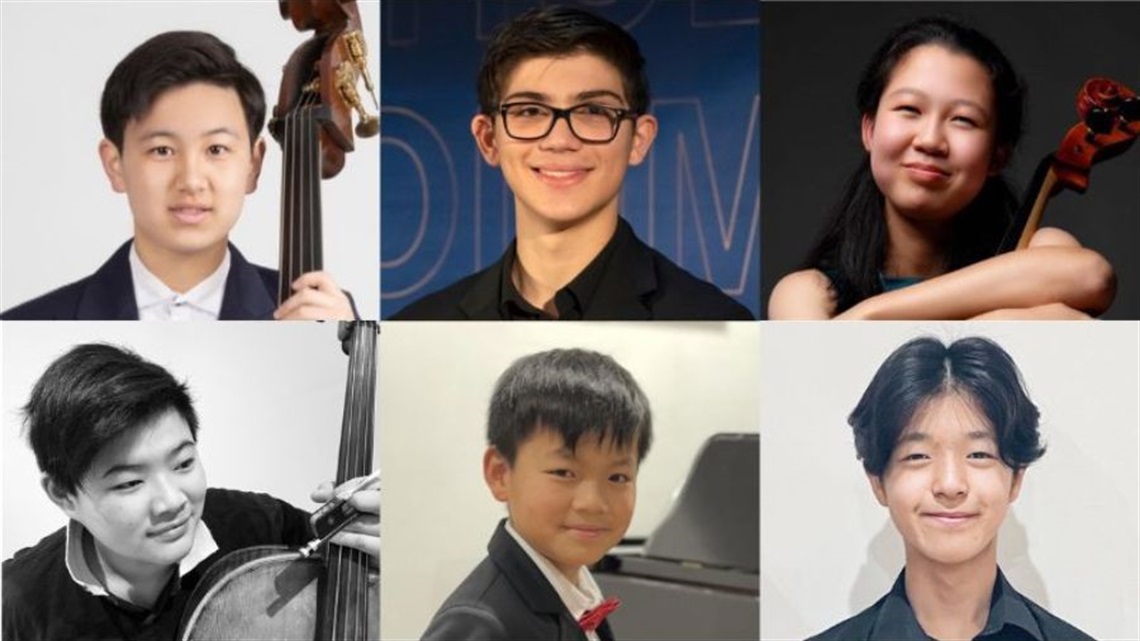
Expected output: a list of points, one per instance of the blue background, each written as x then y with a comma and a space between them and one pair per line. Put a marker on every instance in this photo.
446, 214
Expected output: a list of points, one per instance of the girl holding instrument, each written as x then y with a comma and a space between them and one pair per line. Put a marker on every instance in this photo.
917, 229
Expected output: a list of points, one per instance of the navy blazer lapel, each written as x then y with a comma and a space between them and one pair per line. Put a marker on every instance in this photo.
110, 292
246, 296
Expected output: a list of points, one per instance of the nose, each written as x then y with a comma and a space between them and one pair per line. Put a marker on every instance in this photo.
930, 138
191, 173
560, 136
950, 479
589, 497
167, 498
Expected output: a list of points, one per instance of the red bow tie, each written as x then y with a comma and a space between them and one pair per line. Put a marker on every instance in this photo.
591, 619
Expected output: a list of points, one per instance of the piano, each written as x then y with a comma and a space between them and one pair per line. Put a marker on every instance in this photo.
698, 574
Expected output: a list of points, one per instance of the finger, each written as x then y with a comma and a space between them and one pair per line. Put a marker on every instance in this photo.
323, 493
367, 501
365, 524
369, 544
322, 281
312, 304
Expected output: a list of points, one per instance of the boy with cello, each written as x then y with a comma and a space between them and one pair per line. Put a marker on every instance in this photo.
181, 117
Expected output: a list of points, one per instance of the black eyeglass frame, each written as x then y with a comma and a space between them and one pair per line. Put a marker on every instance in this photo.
620, 114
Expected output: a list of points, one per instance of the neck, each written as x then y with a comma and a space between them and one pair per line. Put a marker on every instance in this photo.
180, 272
952, 601
548, 257
914, 247
134, 581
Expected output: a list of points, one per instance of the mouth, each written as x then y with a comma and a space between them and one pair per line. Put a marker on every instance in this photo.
950, 519
587, 532
190, 214
172, 531
561, 176
926, 173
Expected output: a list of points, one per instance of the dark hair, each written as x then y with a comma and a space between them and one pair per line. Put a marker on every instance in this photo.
924, 369
574, 392
175, 59
852, 248
560, 31
89, 397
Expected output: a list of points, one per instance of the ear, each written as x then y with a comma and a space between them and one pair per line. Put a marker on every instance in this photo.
867, 128
112, 161
257, 155
1015, 489
998, 161
877, 488
66, 502
497, 474
644, 133
483, 128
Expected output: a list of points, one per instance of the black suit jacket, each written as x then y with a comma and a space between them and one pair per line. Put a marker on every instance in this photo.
109, 294
506, 597
639, 283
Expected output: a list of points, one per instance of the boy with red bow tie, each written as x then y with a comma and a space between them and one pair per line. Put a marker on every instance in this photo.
567, 430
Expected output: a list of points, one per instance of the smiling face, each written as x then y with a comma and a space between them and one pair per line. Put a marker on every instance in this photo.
186, 166
142, 497
559, 181
570, 506
932, 139
945, 485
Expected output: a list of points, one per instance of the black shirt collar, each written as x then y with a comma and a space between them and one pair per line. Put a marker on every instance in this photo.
573, 300
896, 619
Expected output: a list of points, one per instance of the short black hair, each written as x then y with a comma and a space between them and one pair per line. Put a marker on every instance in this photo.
89, 397
561, 31
574, 392
170, 60
924, 369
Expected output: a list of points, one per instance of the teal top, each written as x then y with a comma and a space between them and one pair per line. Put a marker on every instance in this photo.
891, 283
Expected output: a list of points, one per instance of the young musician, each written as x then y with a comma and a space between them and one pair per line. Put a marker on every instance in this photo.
564, 101
181, 121
915, 233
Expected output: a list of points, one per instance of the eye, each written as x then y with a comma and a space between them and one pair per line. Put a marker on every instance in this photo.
186, 465
161, 151
217, 150
916, 456
528, 110
908, 109
620, 478
126, 486
981, 455
561, 473
965, 121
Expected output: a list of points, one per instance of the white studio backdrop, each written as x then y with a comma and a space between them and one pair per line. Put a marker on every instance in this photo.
1070, 541
270, 401
59, 218
700, 378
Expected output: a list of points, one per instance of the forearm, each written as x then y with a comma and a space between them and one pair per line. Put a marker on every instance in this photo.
1076, 277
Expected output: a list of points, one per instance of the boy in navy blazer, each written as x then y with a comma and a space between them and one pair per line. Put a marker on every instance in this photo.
181, 119
567, 430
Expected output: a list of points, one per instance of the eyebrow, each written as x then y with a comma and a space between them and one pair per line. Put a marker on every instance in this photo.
581, 96
565, 453
166, 133
958, 101
973, 435
135, 467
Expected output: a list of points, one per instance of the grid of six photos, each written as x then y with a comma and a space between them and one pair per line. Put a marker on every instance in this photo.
702, 455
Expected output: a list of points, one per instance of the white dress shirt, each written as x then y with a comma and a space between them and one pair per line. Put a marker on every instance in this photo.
156, 301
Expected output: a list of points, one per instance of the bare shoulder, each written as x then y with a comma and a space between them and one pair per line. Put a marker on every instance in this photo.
802, 295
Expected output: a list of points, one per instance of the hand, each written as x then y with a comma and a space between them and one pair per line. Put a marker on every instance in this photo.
364, 533
316, 297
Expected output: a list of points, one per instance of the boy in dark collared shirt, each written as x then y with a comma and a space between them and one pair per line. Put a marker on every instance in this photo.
115, 437
945, 434
567, 431
564, 100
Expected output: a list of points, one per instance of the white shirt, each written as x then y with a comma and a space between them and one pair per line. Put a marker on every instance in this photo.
203, 546
156, 301
578, 598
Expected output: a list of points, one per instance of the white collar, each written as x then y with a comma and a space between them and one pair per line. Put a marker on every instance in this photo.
204, 545
579, 598
156, 301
